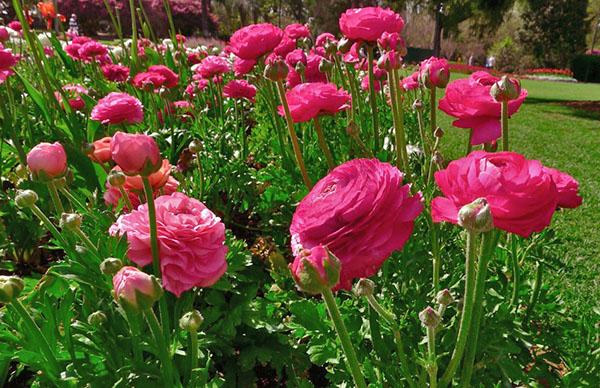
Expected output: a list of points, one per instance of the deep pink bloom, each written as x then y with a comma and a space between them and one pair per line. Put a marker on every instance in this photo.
4, 35
148, 80
309, 100
72, 50
47, 160
391, 41
74, 92
294, 57
317, 257
191, 241
181, 109
212, 66
361, 212
81, 40
437, 70
242, 67
129, 283
367, 24
284, 47
568, 188
353, 55
297, 31
411, 82
7, 59
15, 25
135, 153
255, 40
115, 73
92, 50
311, 72
101, 153
117, 108
171, 78
521, 194
325, 37
379, 77
240, 89
195, 87
470, 102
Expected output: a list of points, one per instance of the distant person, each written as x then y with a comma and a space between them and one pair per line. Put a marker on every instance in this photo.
490, 62
471, 60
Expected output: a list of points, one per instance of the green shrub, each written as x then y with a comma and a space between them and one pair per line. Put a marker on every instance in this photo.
586, 68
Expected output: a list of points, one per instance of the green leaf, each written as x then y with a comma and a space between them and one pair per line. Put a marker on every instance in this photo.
37, 97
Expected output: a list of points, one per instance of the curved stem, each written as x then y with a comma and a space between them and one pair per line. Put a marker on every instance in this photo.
193, 351
504, 124
293, 136
58, 206
163, 350
432, 367
126, 198
49, 225
373, 98
323, 144
433, 111
88, 243
488, 244
342, 333
467, 310
535, 295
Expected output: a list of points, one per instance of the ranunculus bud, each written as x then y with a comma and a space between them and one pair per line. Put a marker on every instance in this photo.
476, 216
10, 288
444, 297
364, 287
47, 161
96, 318
429, 317
195, 146
506, 89
344, 45
300, 67
135, 289
417, 104
191, 321
136, 154
438, 132
325, 66
316, 270
70, 221
111, 266
26, 198
276, 70
116, 178
389, 60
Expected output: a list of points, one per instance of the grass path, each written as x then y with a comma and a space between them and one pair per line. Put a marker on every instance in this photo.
566, 138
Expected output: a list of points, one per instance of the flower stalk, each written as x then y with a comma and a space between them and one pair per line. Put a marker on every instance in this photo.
373, 98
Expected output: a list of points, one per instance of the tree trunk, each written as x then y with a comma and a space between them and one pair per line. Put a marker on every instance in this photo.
204, 17
437, 33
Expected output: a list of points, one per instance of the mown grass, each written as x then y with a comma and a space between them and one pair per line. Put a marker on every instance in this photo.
567, 138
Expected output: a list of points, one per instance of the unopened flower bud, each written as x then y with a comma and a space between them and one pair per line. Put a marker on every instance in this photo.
70, 221
303, 42
135, 290
300, 67
195, 146
438, 132
191, 321
344, 45
26, 198
316, 270
10, 288
429, 317
364, 287
215, 50
506, 89
437, 158
116, 178
61, 182
389, 60
96, 318
325, 66
88, 148
417, 104
476, 216
276, 70
111, 266
444, 297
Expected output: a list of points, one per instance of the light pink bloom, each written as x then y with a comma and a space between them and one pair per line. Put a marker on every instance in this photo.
367, 24
136, 153
47, 160
191, 241
361, 212
101, 153
117, 108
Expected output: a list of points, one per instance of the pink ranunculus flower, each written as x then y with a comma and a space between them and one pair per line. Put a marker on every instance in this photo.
294, 57
171, 78
7, 59
47, 161
101, 153
309, 100
191, 241
148, 80
284, 47
72, 50
311, 72
115, 73
135, 288
195, 87
242, 67
411, 82
323, 38
239, 89
212, 66
296, 31
15, 25
4, 34
361, 212
255, 40
392, 41
521, 194
470, 102
436, 71
74, 92
568, 188
117, 108
367, 24
135, 153
92, 50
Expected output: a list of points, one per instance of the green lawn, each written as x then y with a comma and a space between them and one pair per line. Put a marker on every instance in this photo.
569, 139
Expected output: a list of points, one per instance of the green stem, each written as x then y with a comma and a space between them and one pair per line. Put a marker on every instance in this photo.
201, 174
432, 367
58, 206
49, 225
433, 110
373, 98
398, 118
435, 253
87, 242
193, 351
342, 332
537, 286
34, 331
293, 136
134, 326
126, 198
514, 300
504, 124
163, 350
488, 244
467, 310
323, 144
134, 40
469, 145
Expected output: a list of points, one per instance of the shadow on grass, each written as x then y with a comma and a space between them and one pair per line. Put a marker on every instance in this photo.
589, 110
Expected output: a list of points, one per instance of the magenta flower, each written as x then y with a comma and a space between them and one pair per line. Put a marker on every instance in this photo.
117, 108
255, 40
311, 72
242, 67
367, 24
239, 89
436, 71
171, 78
325, 37
296, 31
115, 73
148, 80
309, 100
212, 66
284, 47
74, 92
568, 188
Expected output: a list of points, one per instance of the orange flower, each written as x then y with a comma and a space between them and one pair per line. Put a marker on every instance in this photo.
47, 9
